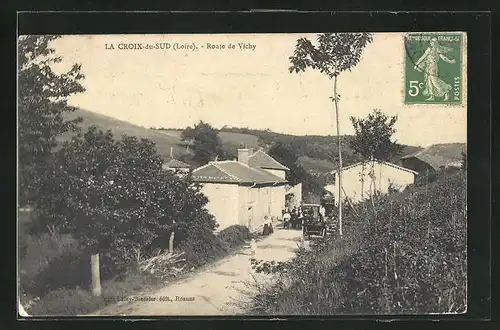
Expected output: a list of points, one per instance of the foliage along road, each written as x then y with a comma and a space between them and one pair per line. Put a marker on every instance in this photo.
221, 289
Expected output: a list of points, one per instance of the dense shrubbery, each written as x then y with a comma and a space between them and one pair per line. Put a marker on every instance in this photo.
406, 253
202, 249
113, 197
235, 235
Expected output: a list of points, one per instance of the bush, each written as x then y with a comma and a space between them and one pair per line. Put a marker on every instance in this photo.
66, 271
201, 250
64, 302
55, 261
40, 252
401, 256
209, 247
235, 236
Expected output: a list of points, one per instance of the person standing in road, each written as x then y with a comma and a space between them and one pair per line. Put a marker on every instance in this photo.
286, 219
300, 218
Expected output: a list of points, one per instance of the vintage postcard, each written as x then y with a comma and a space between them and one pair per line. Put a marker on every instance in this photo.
242, 174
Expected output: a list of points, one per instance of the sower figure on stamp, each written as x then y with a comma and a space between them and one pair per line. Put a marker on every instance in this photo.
428, 64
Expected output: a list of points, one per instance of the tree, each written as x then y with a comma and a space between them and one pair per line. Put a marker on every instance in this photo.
464, 161
372, 136
42, 104
287, 156
206, 142
113, 196
336, 52
372, 140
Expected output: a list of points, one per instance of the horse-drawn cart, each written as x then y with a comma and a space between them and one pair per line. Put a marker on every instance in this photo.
319, 219
313, 222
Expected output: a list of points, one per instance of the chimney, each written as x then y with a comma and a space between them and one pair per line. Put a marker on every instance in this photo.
243, 155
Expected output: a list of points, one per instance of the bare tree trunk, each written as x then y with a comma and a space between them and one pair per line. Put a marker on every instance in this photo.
335, 99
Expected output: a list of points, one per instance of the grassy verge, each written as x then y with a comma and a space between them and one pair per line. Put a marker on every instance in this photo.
55, 278
404, 254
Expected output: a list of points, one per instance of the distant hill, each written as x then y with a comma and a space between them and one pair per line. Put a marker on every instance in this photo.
164, 139
118, 127
316, 153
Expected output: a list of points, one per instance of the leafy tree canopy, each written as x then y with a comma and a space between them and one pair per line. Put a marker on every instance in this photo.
335, 52
205, 142
42, 103
113, 195
373, 135
287, 156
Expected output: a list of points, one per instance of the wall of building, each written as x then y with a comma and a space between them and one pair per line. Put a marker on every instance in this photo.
222, 203
277, 201
385, 176
254, 203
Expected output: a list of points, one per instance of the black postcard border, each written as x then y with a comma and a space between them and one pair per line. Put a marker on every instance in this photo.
478, 28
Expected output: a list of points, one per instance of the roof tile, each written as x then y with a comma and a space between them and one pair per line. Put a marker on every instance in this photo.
233, 172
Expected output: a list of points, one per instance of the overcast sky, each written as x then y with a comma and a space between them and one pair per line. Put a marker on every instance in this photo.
248, 88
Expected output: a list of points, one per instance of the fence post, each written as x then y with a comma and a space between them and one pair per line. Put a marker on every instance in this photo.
96, 274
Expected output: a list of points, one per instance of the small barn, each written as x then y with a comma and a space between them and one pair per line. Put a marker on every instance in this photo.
361, 180
243, 191
435, 158
176, 166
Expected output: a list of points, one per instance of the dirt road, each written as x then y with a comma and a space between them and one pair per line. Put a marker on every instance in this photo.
219, 290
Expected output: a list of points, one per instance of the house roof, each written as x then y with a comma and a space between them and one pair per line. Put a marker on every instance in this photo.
263, 160
233, 172
438, 155
380, 162
175, 163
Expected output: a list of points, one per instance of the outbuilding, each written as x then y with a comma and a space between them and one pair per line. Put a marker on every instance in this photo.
362, 180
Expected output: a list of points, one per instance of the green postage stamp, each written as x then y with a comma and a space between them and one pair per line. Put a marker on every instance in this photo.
433, 68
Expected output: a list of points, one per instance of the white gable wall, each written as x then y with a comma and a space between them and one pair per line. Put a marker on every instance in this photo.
384, 176
222, 203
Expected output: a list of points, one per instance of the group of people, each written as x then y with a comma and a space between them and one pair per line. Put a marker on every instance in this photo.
293, 218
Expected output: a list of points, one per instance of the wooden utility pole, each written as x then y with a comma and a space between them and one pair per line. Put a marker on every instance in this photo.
335, 99
96, 274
